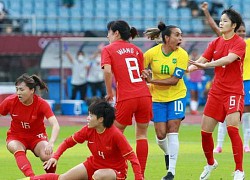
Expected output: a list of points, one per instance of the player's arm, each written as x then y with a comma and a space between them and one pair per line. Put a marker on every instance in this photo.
54, 134
193, 67
67, 143
108, 81
210, 19
231, 57
135, 165
69, 56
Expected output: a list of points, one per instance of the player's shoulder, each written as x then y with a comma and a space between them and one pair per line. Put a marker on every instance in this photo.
11, 97
154, 50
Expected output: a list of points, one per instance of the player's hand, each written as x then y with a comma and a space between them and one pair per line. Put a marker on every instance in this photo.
197, 64
51, 162
109, 98
49, 149
204, 6
146, 74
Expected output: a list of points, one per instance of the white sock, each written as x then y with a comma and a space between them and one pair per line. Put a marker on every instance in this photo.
222, 130
163, 144
193, 105
246, 128
173, 144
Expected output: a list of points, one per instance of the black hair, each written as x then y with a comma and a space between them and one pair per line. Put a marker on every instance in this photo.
154, 33
234, 16
101, 108
123, 28
31, 81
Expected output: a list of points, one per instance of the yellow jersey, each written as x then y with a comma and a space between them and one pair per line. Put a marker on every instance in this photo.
164, 66
246, 63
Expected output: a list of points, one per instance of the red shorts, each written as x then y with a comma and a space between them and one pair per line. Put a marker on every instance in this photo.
29, 141
140, 108
91, 169
219, 106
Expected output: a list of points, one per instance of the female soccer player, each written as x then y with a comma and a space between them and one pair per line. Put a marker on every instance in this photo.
246, 80
133, 98
168, 62
27, 130
108, 146
226, 96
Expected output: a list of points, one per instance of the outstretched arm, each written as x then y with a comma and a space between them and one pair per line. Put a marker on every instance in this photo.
66, 144
210, 19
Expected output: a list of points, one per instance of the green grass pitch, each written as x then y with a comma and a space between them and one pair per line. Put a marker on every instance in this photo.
189, 165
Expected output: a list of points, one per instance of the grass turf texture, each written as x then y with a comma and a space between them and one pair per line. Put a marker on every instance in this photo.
189, 165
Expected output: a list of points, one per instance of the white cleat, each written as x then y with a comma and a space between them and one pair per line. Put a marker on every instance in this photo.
239, 175
207, 170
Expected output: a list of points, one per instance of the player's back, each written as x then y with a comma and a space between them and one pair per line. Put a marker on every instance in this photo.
126, 61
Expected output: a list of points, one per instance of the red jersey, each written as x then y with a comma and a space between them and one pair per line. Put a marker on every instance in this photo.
109, 149
227, 78
26, 119
126, 61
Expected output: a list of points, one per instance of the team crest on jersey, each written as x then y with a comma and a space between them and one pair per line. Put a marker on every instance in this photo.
174, 60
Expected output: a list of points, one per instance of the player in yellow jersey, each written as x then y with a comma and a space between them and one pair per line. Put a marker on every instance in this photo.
246, 80
168, 63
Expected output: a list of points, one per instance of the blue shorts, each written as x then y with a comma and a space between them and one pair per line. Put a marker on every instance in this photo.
247, 92
165, 111
195, 86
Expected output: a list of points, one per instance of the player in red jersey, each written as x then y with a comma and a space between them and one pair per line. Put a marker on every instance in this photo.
27, 130
125, 61
226, 96
108, 146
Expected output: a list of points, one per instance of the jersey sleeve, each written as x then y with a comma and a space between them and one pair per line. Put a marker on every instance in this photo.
46, 109
128, 154
182, 64
5, 107
105, 57
208, 53
135, 165
81, 136
66, 144
239, 49
122, 143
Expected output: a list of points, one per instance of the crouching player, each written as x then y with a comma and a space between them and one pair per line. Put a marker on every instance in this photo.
108, 146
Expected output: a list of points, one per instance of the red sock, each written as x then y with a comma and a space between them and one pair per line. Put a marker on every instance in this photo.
49, 176
23, 163
208, 146
237, 146
51, 169
142, 153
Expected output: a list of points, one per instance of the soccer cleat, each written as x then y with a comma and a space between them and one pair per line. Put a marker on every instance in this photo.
167, 161
169, 176
239, 175
218, 150
246, 149
207, 170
